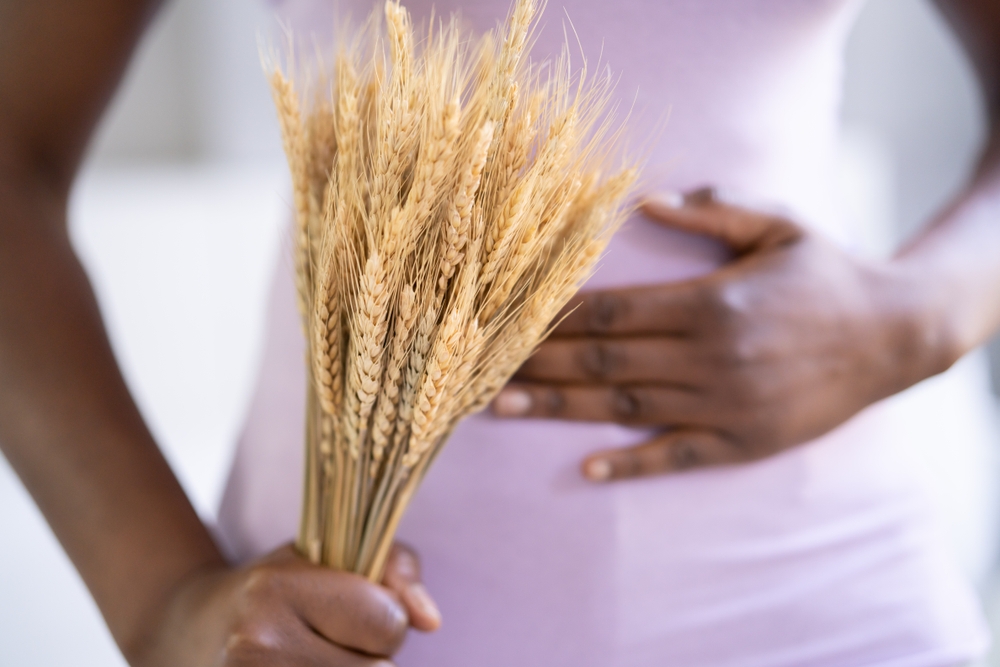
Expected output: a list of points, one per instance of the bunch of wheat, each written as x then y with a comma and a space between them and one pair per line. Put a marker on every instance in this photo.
450, 198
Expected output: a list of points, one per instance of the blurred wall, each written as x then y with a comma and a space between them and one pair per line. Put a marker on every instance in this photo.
154, 117
195, 90
908, 82
909, 85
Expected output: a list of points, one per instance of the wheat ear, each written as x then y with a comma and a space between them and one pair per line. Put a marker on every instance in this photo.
448, 202
459, 216
368, 335
388, 400
397, 125
326, 339
293, 137
445, 356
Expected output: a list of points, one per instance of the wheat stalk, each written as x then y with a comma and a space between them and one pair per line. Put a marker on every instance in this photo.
449, 200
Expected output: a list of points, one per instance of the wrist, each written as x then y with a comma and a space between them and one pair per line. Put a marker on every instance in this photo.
921, 339
162, 628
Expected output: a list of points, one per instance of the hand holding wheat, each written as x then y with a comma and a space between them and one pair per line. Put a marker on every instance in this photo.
450, 198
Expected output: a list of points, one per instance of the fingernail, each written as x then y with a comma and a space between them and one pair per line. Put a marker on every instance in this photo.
670, 199
423, 602
512, 403
597, 470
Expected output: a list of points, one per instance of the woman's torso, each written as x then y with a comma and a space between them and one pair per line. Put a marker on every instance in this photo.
824, 555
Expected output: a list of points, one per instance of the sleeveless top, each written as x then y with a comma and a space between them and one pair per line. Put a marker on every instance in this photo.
825, 555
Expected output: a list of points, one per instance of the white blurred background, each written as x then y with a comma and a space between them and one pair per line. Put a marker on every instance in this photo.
182, 205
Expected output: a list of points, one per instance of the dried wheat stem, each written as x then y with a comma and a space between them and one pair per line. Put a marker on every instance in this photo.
410, 482
309, 540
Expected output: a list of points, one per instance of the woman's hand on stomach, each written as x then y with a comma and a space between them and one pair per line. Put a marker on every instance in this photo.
283, 610
783, 343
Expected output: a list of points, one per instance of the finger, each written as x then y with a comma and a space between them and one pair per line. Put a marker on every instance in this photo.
299, 647
327, 655
672, 309
683, 449
602, 360
343, 607
321, 653
629, 404
402, 575
701, 212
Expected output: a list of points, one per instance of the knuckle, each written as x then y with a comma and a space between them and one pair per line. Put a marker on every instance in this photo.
262, 581
599, 359
726, 306
701, 196
604, 311
685, 454
650, 459
742, 351
386, 629
406, 560
378, 622
551, 401
631, 464
735, 298
737, 347
251, 644
709, 314
628, 403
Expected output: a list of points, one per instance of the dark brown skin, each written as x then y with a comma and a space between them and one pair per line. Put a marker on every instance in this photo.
281, 610
789, 339
70, 429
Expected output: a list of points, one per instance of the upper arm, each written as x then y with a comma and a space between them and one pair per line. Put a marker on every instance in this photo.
977, 24
60, 61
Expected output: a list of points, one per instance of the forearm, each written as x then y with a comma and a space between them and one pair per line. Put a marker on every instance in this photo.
67, 423
954, 264
70, 429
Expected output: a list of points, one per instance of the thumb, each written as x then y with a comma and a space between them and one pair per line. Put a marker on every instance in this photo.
402, 576
703, 212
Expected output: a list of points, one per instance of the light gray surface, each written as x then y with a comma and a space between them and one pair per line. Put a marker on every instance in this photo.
196, 90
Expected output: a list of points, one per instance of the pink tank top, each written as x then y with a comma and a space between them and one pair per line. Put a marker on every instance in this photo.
823, 556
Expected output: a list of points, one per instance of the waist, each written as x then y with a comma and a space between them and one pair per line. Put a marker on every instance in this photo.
817, 553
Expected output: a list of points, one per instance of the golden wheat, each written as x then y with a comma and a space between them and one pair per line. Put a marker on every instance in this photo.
449, 201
